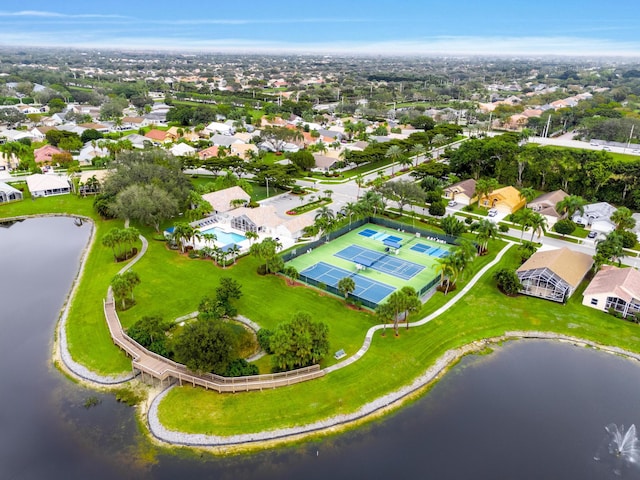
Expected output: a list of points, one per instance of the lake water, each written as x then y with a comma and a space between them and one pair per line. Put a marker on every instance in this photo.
532, 410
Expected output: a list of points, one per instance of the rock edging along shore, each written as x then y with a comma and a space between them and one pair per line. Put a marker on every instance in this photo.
390, 400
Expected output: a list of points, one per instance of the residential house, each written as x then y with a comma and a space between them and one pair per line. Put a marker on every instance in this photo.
182, 150
45, 153
217, 127
208, 152
614, 288
597, 216
98, 127
463, 192
40, 133
89, 152
554, 274
545, 205
9, 193
244, 150
137, 140
223, 201
505, 200
41, 185
325, 162
187, 134
158, 136
223, 140
14, 135
133, 123
8, 162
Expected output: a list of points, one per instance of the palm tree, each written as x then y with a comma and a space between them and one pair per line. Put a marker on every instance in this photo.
385, 312
446, 268
528, 194
360, 182
418, 150
182, 233
292, 274
571, 204
623, 219
346, 286
394, 153
524, 218
485, 230
324, 213
350, 209
251, 236
234, 250
538, 224
484, 187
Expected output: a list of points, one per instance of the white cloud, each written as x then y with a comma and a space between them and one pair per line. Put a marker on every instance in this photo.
43, 14
440, 45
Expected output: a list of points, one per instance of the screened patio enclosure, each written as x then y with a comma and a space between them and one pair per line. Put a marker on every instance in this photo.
543, 283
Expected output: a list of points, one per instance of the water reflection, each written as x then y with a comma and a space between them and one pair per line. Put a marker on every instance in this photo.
532, 410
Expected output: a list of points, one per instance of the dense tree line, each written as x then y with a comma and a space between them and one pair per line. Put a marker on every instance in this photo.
594, 175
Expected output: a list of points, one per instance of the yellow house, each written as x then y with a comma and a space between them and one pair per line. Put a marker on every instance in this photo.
505, 200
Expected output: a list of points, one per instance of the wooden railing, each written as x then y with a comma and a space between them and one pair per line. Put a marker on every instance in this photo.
162, 368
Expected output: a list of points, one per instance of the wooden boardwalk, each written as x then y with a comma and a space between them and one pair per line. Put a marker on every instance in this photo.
164, 369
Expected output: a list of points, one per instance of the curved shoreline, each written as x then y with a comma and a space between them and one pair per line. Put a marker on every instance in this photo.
61, 354
368, 411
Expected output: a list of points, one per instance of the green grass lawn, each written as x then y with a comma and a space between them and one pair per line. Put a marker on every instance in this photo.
172, 285
392, 362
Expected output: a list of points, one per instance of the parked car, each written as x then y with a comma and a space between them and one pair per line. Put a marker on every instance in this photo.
606, 149
452, 203
493, 212
592, 234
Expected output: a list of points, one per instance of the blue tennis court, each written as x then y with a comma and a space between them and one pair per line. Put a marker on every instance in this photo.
367, 232
429, 250
381, 262
392, 238
366, 288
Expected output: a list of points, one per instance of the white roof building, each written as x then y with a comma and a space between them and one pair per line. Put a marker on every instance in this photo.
41, 185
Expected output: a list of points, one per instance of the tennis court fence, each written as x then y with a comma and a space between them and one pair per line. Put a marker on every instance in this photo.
323, 286
301, 249
298, 250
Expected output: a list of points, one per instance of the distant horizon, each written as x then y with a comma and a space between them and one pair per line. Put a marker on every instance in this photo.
500, 28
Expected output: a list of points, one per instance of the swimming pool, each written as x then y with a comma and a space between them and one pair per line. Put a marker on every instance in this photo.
225, 238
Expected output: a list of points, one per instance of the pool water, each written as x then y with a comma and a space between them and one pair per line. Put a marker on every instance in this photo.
225, 238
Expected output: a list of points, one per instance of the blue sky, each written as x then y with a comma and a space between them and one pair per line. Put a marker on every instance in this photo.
410, 27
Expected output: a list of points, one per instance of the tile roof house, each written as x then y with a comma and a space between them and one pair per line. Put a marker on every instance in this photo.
554, 274
45, 153
325, 162
158, 136
222, 200
208, 152
244, 150
546, 203
614, 288
597, 216
505, 199
463, 192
